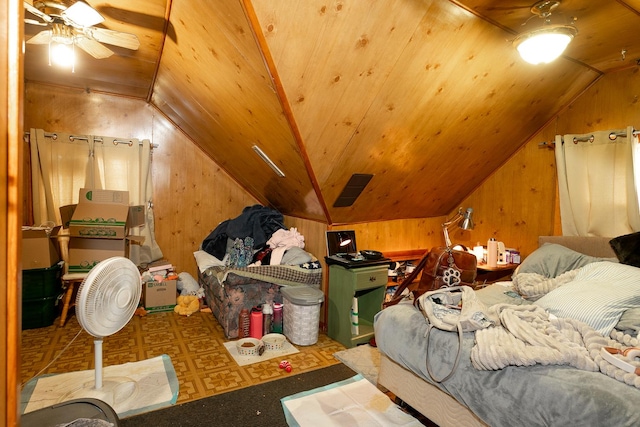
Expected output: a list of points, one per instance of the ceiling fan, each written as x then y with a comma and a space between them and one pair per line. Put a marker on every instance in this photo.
75, 26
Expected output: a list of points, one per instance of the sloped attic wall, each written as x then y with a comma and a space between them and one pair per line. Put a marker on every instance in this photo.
393, 89
415, 92
518, 202
192, 194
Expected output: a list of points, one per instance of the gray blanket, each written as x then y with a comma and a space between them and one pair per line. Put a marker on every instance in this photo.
523, 396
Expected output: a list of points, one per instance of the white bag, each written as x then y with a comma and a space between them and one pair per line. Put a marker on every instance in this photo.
455, 308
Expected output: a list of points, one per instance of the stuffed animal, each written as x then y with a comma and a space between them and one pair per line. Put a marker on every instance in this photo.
187, 305
187, 285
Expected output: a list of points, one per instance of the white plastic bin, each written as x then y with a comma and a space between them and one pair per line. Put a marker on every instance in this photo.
301, 313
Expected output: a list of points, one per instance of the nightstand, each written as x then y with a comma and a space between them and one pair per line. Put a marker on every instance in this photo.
488, 274
368, 284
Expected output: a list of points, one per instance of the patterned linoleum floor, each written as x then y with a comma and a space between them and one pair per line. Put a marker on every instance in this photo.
195, 345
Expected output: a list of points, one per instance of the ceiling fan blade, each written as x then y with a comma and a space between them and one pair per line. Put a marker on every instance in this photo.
93, 48
115, 38
34, 11
82, 15
34, 22
43, 37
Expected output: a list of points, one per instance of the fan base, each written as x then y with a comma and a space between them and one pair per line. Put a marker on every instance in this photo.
115, 391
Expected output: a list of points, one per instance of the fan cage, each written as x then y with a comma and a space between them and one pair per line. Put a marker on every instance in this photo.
108, 296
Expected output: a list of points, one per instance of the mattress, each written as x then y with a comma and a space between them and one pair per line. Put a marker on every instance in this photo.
516, 395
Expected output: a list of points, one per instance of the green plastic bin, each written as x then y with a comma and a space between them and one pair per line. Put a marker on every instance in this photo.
41, 289
39, 312
42, 282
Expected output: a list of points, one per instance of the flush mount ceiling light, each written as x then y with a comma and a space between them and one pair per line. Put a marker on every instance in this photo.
546, 43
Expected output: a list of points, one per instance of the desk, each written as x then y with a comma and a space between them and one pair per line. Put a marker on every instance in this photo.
493, 274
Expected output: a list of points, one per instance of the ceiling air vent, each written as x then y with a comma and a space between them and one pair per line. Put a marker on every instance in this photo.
352, 190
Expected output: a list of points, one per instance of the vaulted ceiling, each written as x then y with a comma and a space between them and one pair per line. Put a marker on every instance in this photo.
428, 96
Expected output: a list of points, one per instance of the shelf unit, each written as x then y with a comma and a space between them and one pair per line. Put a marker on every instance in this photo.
368, 285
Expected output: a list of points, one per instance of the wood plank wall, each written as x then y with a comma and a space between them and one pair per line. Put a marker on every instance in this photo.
193, 194
518, 202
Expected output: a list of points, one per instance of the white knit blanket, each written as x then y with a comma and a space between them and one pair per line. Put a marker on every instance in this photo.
528, 335
532, 286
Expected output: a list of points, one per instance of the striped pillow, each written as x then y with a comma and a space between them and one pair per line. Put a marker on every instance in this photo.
598, 295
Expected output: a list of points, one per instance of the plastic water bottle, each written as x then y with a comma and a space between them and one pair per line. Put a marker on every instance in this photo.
255, 326
267, 316
243, 323
276, 325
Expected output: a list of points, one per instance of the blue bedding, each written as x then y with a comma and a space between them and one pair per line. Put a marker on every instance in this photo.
523, 396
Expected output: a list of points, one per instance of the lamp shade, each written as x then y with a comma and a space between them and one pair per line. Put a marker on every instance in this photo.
462, 220
545, 44
466, 223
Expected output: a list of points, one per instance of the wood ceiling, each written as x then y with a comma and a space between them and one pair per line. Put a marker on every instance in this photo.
429, 96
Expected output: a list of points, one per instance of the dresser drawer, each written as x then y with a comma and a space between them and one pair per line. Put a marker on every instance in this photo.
370, 277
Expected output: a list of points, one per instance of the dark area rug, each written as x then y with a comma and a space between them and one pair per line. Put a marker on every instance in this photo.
252, 406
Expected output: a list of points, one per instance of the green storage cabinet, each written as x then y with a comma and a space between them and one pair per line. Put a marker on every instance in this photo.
368, 284
41, 290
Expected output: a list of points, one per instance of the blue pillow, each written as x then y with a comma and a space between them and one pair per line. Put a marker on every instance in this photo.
551, 260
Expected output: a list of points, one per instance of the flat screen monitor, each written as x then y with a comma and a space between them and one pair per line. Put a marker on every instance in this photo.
334, 238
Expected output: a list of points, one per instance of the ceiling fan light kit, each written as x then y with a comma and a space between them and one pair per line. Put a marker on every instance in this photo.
74, 26
548, 42
62, 47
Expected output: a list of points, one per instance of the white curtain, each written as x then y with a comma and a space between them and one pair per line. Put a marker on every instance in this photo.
62, 164
599, 183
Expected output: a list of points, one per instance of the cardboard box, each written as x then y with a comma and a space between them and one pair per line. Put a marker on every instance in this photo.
103, 214
85, 253
99, 227
39, 247
160, 296
104, 196
104, 221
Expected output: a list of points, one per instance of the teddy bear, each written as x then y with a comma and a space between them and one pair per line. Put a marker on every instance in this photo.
187, 305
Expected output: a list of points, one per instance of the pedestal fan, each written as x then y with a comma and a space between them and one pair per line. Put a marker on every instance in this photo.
106, 301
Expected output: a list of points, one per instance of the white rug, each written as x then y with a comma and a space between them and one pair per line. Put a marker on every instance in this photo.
287, 349
130, 389
364, 359
352, 402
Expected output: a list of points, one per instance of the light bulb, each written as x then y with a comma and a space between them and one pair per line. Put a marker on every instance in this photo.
543, 47
62, 54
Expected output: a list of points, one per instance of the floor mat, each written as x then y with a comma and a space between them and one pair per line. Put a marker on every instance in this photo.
130, 388
364, 359
352, 402
287, 349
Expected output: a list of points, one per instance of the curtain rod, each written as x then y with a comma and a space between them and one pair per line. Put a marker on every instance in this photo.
54, 136
612, 136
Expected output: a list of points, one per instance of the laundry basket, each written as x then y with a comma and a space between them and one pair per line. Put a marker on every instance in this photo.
301, 313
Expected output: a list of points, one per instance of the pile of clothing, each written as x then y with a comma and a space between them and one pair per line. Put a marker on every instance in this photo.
257, 236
